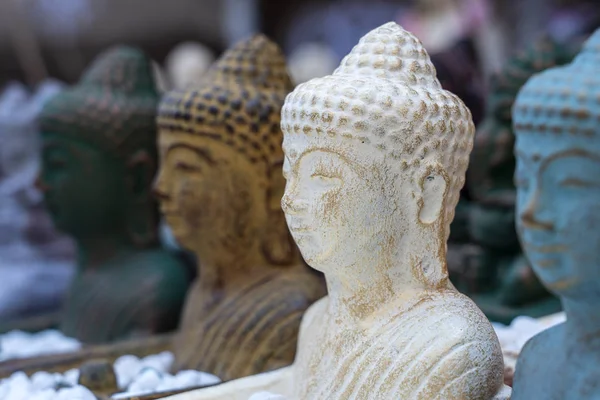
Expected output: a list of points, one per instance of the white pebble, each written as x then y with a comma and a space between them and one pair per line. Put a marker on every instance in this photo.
146, 381
75, 393
161, 362
43, 380
18, 344
134, 376
71, 377
45, 394
126, 368
266, 396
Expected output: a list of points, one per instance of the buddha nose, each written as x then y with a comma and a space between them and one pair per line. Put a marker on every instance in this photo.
291, 204
159, 188
530, 216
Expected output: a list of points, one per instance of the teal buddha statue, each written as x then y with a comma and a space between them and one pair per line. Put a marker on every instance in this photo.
99, 159
498, 277
557, 125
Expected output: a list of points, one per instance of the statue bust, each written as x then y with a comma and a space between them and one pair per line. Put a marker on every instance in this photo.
36, 262
376, 155
557, 147
220, 186
500, 280
99, 158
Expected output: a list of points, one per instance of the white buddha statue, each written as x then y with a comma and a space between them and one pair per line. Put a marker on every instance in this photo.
376, 155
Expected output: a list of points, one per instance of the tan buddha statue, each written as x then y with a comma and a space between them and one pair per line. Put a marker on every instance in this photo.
376, 155
220, 187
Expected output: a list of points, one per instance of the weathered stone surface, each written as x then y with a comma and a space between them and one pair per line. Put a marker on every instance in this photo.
555, 118
376, 156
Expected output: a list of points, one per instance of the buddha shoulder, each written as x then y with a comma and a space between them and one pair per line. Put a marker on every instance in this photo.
161, 269
451, 317
444, 338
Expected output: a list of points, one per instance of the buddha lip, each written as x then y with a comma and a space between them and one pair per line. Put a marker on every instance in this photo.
550, 248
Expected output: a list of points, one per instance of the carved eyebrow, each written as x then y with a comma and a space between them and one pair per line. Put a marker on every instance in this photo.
203, 154
569, 153
579, 182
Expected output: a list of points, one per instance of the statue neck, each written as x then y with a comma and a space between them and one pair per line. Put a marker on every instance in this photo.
583, 320
366, 288
227, 266
96, 251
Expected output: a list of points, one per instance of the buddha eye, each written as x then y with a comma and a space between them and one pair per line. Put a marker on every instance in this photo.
186, 167
325, 179
577, 183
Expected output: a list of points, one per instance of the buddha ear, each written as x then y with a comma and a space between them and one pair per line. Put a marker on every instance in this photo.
434, 187
141, 170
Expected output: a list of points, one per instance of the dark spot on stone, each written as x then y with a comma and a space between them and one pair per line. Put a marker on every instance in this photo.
236, 104
264, 115
229, 129
214, 110
254, 128
208, 96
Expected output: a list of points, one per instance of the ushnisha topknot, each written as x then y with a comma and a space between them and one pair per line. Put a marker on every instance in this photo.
563, 100
238, 103
385, 93
113, 106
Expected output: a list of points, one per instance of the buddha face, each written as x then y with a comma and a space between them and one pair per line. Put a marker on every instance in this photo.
558, 211
335, 207
84, 188
207, 190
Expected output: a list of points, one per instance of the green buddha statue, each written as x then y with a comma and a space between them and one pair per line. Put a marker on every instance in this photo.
497, 276
99, 159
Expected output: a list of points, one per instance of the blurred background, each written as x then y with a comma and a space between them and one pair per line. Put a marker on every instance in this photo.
58, 38
53, 41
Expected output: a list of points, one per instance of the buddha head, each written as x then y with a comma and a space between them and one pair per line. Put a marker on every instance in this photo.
492, 158
220, 181
376, 155
557, 148
99, 151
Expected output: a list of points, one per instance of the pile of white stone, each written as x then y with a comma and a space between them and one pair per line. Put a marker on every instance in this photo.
135, 377
150, 374
18, 344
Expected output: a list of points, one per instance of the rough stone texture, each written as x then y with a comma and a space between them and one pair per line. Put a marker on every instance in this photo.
99, 158
556, 119
376, 156
220, 186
